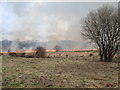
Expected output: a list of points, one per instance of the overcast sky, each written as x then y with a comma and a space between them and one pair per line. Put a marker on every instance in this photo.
45, 21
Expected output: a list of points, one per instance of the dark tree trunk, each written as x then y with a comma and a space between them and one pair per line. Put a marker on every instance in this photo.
107, 57
101, 57
110, 58
100, 53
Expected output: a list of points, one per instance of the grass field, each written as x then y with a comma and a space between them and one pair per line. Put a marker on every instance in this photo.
60, 70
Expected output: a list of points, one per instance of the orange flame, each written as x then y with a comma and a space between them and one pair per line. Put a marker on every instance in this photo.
30, 51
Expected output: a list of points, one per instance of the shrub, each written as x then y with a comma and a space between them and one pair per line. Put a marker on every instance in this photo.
57, 48
81, 56
91, 54
1, 54
12, 54
29, 56
22, 54
67, 55
48, 56
40, 52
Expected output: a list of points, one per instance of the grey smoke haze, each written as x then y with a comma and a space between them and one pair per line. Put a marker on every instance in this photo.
48, 21
33, 23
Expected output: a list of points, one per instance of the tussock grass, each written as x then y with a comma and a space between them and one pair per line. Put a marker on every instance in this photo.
59, 71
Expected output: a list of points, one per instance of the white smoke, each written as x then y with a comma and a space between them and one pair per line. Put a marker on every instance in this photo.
34, 24
46, 22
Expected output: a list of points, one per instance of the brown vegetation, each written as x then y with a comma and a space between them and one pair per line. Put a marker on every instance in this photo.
59, 71
40, 52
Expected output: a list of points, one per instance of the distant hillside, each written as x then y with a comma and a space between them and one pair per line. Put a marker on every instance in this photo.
32, 44
5, 45
67, 44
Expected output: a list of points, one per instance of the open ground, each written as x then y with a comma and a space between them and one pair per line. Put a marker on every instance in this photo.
59, 70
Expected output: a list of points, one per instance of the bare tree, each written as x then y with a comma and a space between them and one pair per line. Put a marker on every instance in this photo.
102, 27
57, 48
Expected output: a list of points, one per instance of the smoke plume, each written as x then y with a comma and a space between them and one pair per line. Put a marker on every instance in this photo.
46, 22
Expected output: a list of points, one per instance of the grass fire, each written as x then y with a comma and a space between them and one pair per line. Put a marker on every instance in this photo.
60, 45
58, 69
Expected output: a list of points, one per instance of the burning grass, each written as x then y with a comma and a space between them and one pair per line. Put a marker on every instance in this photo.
61, 69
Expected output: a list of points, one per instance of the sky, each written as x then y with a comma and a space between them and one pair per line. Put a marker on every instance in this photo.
45, 21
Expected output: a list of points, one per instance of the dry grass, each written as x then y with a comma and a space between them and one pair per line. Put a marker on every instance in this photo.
67, 70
